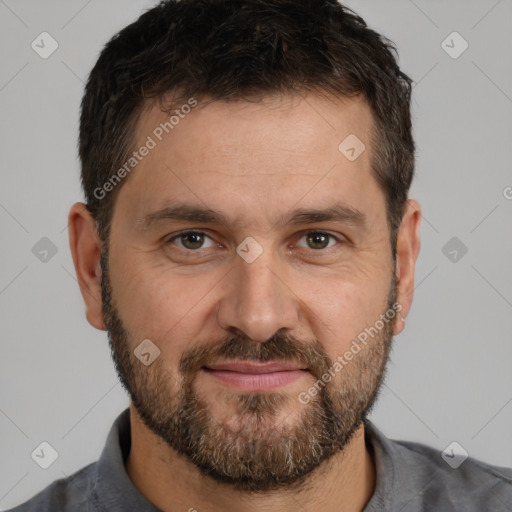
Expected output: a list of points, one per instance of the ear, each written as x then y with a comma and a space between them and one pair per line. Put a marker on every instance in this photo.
408, 248
85, 247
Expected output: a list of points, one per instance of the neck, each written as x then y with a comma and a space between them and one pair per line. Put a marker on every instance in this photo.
170, 482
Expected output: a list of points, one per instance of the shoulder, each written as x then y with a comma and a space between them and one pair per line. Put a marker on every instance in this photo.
75, 493
472, 476
103, 481
420, 477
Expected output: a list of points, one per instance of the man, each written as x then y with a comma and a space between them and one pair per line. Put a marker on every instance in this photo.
249, 245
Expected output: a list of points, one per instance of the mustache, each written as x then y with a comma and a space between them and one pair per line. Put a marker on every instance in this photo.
280, 347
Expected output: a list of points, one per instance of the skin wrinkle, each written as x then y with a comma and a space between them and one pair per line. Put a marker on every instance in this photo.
245, 404
193, 436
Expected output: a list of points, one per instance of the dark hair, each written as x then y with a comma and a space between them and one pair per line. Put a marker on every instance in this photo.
241, 49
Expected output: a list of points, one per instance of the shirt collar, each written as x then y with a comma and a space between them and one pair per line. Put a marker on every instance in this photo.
114, 489
117, 493
381, 450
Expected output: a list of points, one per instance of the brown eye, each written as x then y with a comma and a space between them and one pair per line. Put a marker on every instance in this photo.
191, 240
318, 240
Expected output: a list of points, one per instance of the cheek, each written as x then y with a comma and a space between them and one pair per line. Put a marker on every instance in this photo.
339, 309
160, 306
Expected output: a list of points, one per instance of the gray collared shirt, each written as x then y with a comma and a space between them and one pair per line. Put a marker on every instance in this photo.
411, 477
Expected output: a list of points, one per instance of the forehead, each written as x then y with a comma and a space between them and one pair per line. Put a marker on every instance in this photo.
255, 159
298, 124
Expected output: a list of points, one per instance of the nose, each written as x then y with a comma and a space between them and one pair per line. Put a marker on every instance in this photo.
257, 300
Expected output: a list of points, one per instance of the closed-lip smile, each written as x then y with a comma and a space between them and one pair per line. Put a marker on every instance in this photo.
256, 375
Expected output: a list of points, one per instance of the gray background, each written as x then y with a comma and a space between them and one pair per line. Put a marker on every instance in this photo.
449, 377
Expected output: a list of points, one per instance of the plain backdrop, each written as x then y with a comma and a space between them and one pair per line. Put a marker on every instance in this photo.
450, 376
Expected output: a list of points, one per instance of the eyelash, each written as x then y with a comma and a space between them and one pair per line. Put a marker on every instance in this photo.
199, 251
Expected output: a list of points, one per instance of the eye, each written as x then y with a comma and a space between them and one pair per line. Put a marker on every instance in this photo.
317, 240
194, 240
191, 240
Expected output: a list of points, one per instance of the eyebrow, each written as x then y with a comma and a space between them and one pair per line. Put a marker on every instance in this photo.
338, 212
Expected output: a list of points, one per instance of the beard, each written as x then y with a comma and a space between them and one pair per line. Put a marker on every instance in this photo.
255, 451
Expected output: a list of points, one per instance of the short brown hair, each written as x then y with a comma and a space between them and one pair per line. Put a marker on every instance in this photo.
233, 50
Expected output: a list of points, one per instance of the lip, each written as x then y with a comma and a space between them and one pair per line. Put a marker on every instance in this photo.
253, 376
255, 367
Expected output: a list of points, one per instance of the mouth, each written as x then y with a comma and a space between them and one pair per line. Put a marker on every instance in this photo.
254, 375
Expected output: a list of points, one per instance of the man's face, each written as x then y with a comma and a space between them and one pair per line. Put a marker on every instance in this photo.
296, 293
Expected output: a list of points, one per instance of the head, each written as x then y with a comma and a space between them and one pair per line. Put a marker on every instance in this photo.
246, 167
